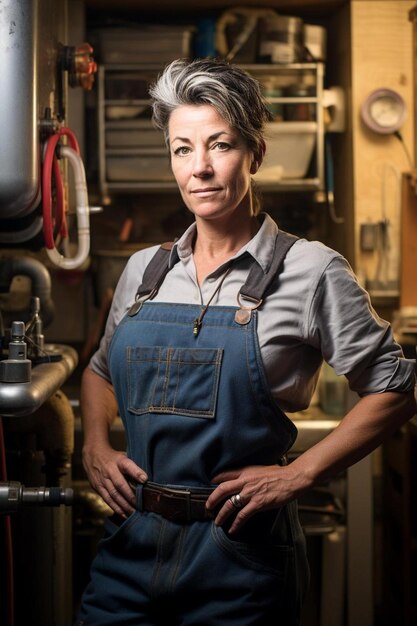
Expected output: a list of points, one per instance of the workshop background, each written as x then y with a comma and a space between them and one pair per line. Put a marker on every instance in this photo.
85, 181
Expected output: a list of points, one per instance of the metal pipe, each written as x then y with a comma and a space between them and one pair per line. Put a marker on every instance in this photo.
82, 210
53, 424
24, 234
19, 87
13, 495
39, 276
19, 399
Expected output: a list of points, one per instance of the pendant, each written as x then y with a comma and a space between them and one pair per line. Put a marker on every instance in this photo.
197, 327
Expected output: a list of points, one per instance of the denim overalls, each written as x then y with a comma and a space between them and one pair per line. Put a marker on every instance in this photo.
193, 406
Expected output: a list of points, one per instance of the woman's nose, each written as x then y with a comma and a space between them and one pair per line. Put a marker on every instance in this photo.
202, 166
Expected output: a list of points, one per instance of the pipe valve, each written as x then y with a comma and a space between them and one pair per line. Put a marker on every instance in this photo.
17, 368
13, 495
80, 65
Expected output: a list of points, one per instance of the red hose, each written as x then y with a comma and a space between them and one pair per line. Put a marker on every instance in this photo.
7, 539
72, 140
46, 191
60, 220
50, 161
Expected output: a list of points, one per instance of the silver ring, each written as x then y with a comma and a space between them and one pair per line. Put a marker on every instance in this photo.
236, 500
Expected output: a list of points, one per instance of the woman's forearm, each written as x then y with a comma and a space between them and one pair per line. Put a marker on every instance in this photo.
109, 471
362, 430
268, 487
98, 408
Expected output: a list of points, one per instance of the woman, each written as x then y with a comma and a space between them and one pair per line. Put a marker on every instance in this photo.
228, 330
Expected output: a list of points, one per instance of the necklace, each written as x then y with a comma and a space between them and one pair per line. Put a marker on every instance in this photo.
198, 322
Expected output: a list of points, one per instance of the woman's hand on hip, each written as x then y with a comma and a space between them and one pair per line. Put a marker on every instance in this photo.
258, 488
111, 474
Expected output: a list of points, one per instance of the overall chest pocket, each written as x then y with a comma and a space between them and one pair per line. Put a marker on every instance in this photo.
183, 381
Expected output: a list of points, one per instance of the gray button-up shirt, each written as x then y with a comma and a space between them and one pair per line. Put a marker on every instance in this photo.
315, 310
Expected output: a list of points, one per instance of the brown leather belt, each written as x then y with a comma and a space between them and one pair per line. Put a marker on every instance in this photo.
176, 504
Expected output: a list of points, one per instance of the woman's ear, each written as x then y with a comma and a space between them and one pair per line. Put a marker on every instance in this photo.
254, 166
258, 157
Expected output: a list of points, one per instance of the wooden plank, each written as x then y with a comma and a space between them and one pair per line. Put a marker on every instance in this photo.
293, 6
381, 57
408, 274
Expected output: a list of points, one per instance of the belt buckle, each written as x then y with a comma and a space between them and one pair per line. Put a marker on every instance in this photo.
184, 494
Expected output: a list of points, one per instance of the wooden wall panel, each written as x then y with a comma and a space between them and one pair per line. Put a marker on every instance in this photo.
382, 56
409, 242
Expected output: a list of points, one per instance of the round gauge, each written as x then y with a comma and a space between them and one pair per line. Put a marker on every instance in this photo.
384, 111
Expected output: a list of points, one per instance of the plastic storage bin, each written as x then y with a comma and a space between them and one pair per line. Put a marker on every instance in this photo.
152, 44
134, 133
289, 148
139, 168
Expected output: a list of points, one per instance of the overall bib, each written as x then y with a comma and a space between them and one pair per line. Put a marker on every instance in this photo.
194, 405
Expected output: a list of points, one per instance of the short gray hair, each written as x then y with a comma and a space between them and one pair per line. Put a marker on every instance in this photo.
234, 93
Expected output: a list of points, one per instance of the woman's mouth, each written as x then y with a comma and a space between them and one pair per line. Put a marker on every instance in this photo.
205, 191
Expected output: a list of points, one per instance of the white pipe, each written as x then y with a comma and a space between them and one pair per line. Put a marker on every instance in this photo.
82, 211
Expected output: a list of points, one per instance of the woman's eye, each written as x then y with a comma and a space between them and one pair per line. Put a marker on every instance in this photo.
220, 145
182, 150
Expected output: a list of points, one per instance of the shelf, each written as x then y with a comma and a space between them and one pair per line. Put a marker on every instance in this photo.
287, 68
126, 102
136, 151
316, 6
127, 123
132, 154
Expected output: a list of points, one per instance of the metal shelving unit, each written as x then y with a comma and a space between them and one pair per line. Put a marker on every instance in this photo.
133, 157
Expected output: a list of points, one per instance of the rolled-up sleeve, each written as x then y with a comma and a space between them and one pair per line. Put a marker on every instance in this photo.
352, 338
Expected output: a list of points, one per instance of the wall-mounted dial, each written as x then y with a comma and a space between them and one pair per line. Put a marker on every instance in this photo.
384, 111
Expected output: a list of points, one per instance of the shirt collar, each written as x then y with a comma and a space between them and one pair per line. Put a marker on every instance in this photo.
260, 247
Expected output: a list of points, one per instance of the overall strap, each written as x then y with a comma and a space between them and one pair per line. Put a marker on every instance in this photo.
254, 289
258, 281
155, 271
153, 277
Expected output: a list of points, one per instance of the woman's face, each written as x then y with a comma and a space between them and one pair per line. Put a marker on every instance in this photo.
211, 162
